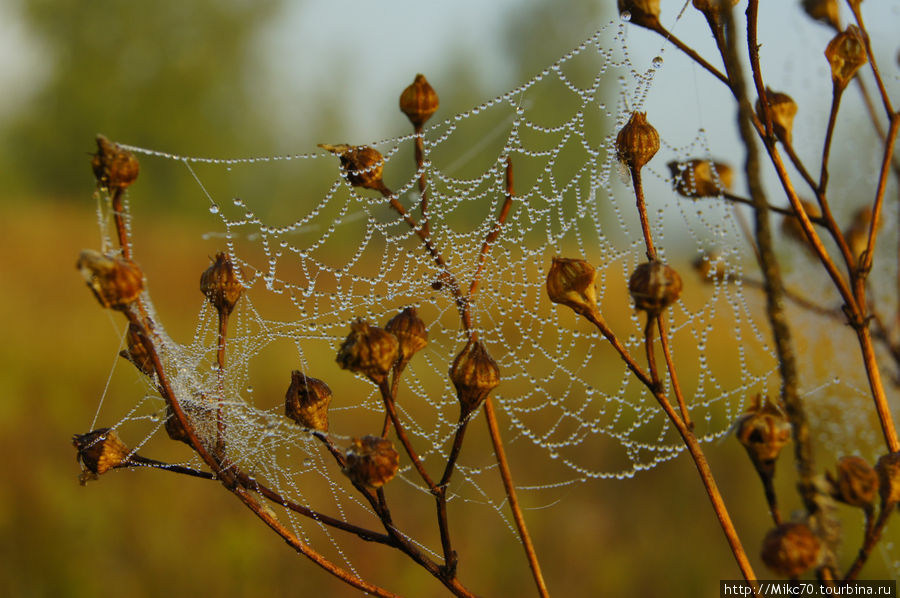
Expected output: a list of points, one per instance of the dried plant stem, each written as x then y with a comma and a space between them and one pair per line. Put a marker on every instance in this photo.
673, 376
642, 212
495, 232
423, 182
388, 401
885, 98
510, 487
220, 383
873, 535
837, 93
669, 36
119, 218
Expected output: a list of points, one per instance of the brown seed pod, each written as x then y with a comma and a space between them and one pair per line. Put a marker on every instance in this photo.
888, 468
418, 101
701, 178
846, 53
114, 168
306, 402
763, 431
369, 350
855, 483
571, 282
410, 331
825, 11
115, 280
790, 549
637, 142
857, 234
643, 12
99, 451
371, 461
363, 164
220, 284
783, 110
474, 374
202, 418
790, 225
710, 266
136, 353
654, 286
712, 8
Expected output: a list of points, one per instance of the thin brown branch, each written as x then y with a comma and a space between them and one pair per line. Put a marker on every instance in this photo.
423, 183
388, 401
673, 375
220, 383
119, 218
870, 541
495, 231
690, 52
873, 64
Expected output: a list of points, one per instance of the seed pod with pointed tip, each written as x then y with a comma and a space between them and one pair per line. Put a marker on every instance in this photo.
654, 286
368, 350
763, 431
114, 168
99, 451
846, 53
474, 374
571, 282
855, 483
825, 11
643, 12
306, 402
637, 142
115, 280
857, 234
363, 164
419, 101
790, 549
410, 331
137, 353
783, 110
888, 468
220, 284
701, 178
371, 461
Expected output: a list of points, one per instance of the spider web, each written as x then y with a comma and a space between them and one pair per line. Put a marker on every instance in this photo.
335, 253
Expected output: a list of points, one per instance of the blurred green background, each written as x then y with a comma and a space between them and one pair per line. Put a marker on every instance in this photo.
239, 78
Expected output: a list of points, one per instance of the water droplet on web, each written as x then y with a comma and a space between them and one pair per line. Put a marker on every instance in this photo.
625, 15
213, 209
657, 62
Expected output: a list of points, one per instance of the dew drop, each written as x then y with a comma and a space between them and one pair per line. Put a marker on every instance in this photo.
213, 209
657, 62
625, 15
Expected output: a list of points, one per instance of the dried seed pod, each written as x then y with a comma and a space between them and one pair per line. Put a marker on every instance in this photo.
369, 350
202, 418
410, 331
790, 225
114, 167
371, 461
571, 282
136, 353
846, 53
306, 402
856, 482
643, 12
783, 110
637, 142
419, 101
220, 284
888, 468
99, 451
790, 549
701, 178
710, 266
825, 11
115, 280
475, 374
763, 431
363, 164
857, 234
654, 286
712, 8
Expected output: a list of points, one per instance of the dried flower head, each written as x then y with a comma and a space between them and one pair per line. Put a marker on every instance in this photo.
363, 164
201, 417
571, 282
846, 53
857, 234
99, 451
790, 225
710, 266
855, 483
369, 350
637, 142
115, 280
654, 286
701, 178
410, 331
783, 109
888, 468
825, 11
306, 402
114, 167
371, 461
790, 549
475, 374
220, 284
763, 431
419, 101
137, 353
712, 8
643, 12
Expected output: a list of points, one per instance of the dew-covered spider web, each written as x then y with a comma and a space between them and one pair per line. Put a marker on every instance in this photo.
329, 253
